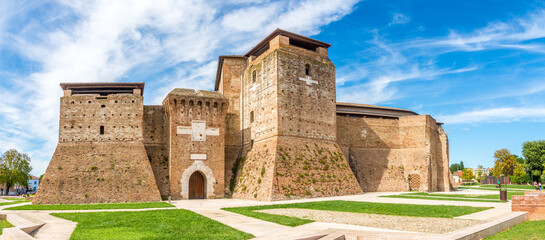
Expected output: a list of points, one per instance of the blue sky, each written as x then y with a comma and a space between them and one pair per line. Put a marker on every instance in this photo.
477, 66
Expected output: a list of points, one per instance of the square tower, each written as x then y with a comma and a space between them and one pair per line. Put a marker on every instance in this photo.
100, 156
288, 119
195, 145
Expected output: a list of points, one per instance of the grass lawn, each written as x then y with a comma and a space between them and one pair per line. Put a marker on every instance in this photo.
149, 225
13, 201
93, 206
510, 186
356, 207
4, 224
521, 188
455, 197
529, 230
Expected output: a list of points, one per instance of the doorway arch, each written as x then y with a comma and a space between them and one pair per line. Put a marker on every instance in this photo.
196, 186
209, 180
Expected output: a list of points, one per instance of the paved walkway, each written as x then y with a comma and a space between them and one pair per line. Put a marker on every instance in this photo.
60, 229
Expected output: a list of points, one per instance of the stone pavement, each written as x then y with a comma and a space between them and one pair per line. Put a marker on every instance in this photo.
60, 229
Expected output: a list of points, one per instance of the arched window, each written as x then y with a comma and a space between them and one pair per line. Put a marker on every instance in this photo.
254, 76
101, 130
307, 69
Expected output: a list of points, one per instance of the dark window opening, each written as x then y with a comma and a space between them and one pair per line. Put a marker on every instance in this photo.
303, 44
252, 116
254, 76
102, 106
101, 130
307, 69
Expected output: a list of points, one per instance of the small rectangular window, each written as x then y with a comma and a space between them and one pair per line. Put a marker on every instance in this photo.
101, 130
102, 106
252, 116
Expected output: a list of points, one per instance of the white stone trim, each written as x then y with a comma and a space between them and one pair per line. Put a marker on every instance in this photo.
209, 179
197, 156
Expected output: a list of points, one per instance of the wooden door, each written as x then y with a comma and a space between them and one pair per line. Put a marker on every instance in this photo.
196, 186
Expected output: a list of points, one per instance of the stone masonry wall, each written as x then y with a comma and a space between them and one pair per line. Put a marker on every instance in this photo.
155, 139
385, 153
99, 137
186, 112
104, 172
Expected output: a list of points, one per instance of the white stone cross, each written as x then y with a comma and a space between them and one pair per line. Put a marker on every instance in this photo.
198, 130
308, 80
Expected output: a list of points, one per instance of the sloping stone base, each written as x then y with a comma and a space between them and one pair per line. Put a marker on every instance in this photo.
98, 173
287, 168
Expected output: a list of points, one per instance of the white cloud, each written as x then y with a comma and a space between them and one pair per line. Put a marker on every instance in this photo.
399, 18
493, 115
112, 40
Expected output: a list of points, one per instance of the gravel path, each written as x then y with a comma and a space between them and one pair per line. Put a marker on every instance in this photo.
413, 224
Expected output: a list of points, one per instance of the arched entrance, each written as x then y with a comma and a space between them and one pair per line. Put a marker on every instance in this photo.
196, 186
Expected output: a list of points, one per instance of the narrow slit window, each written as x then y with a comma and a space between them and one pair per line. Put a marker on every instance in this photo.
101, 130
252, 116
254, 76
307, 69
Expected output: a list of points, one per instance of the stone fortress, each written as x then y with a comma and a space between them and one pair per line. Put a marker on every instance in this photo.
271, 130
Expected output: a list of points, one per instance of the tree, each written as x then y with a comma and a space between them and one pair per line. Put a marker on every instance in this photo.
519, 173
14, 169
467, 174
504, 164
454, 167
519, 159
462, 165
534, 153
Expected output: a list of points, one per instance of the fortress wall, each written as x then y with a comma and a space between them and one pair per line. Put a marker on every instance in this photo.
385, 153
83, 115
233, 147
231, 79
260, 100
155, 139
98, 172
184, 107
306, 109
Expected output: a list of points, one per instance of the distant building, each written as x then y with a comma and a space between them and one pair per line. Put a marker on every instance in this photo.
33, 183
481, 171
457, 176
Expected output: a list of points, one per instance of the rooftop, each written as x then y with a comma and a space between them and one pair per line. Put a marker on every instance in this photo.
103, 88
357, 109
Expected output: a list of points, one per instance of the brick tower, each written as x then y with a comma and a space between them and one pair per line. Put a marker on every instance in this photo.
288, 122
100, 156
195, 145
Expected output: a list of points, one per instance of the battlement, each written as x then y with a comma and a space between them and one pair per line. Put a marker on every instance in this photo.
185, 105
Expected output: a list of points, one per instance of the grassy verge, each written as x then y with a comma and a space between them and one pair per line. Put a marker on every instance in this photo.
529, 230
510, 186
93, 206
356, 207
4, 224
455, 197
157, 224
13, 201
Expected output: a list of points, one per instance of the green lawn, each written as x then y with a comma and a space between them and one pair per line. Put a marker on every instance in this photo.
4, 224
149, 225
356, 207
510, 186
93, 206
455, 197
13, 201
529, 230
